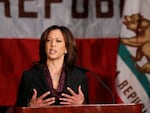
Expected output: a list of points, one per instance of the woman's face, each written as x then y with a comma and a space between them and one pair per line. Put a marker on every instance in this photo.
55, 45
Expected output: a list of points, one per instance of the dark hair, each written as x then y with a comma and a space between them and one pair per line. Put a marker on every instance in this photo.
71, 55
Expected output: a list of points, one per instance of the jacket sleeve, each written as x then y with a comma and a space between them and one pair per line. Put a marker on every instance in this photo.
84, 83
24, 90
84, 87
75, 78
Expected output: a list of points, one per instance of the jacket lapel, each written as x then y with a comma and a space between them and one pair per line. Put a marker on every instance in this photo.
41, 82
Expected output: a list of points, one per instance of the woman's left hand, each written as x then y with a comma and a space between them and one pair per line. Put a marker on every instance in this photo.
74, 99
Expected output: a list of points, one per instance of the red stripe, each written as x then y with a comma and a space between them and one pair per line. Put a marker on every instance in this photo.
98, 55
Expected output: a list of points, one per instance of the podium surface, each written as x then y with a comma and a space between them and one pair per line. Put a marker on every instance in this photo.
91, 108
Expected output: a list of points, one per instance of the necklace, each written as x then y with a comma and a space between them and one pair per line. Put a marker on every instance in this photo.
55, 77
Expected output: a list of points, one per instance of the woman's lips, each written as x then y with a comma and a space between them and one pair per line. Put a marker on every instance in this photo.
52, 51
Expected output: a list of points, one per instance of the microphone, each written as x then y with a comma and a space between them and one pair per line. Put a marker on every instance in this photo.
83, 69
104, 85
101, 82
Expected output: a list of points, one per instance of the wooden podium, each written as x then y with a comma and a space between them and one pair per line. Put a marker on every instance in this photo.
91, 108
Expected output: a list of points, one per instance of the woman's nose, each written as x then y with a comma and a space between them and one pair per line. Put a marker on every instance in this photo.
53, 42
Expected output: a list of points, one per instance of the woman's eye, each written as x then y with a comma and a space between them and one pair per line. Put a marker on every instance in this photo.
58, 41
48, 40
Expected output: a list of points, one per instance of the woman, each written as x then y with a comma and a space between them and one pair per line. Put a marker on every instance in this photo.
54, 79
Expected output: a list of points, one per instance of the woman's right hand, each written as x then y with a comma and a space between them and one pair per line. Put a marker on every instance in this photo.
40, 101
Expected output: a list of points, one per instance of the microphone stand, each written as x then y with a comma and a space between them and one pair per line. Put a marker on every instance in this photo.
104, 85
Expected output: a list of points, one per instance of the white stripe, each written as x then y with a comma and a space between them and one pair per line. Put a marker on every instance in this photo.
126, 74
61, 15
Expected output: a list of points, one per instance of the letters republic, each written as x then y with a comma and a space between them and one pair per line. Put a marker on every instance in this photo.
75, 13
130, 94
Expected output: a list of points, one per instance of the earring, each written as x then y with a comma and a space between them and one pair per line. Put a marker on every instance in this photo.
65, 51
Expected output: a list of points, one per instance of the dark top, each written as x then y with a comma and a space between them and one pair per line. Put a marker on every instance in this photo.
55, 92
37, 78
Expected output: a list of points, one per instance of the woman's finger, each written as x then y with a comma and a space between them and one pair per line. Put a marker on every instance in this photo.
44, 95
80, 91
71, 91
49, 100
34, 94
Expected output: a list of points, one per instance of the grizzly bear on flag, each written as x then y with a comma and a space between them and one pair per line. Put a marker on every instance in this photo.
141, 27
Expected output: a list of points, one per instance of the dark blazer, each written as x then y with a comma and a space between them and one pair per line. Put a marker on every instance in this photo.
35, 78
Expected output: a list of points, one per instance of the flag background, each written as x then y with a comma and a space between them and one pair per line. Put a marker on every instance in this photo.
95, 24
133, 84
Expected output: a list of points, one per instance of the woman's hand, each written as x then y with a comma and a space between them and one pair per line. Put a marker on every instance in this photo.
74, 99
40, 101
